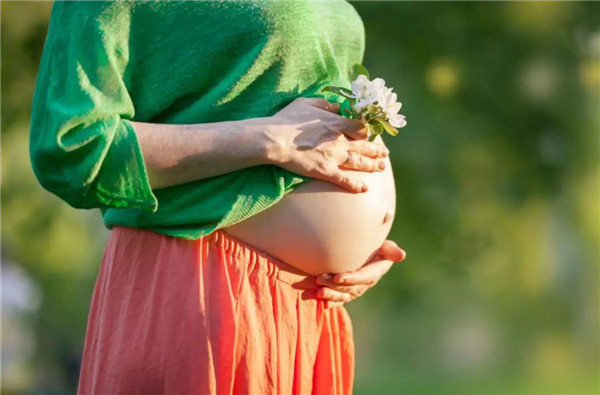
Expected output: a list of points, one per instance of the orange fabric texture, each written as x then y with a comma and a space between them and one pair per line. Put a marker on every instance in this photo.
209, 316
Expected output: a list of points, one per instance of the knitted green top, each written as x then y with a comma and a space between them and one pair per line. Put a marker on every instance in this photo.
177, 62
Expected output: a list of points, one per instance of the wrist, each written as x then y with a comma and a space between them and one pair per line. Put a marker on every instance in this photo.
269, 147
246, 140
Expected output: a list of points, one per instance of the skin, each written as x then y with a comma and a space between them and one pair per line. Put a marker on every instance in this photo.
345, 287
307, 137
310, 228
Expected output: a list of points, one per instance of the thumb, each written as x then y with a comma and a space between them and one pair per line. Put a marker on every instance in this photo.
353, 128
390, 250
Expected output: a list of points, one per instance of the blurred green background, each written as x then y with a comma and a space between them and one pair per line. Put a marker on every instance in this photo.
498, 181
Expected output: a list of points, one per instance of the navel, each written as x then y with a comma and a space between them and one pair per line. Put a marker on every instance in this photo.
389, 215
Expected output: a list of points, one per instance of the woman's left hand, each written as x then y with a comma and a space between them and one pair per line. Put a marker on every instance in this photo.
341, 288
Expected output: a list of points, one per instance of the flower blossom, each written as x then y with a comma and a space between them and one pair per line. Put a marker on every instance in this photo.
391, 107
372, 102
375, 92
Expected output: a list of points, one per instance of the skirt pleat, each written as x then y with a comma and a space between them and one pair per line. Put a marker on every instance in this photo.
209, 316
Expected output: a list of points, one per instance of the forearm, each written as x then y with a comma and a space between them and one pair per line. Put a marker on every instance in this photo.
176, 154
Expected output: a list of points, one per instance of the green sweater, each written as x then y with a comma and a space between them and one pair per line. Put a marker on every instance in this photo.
177, 62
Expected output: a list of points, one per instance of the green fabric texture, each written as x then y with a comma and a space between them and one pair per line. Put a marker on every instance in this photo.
106, 63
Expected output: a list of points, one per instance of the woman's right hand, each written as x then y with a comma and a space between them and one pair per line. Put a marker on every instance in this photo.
310, 138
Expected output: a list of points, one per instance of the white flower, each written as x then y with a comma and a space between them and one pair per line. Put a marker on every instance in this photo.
359, 87
389, 104
366, 92
376, 93
397, 121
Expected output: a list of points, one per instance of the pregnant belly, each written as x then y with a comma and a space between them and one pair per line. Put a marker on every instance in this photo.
321, 228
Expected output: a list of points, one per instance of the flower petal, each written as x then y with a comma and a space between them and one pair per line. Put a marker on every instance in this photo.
394, 108
397, 121
358, 84
378, 83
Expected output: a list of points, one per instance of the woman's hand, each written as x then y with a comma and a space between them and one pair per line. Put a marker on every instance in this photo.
309, 137
341, 288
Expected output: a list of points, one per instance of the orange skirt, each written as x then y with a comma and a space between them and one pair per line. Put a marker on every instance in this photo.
209, 316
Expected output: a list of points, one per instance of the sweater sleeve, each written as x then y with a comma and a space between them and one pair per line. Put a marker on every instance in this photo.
82, 147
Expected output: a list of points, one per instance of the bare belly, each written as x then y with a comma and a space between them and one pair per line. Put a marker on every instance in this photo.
321, 228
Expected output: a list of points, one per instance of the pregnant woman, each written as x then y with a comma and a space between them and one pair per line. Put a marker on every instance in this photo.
243, 209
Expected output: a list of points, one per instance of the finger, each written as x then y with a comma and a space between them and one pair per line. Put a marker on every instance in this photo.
335, 296
369, 274
330, 305
359, 162
322, 104
353, 128
327, 281
340, 178
366, 148
390, 250
354, 290
388, 253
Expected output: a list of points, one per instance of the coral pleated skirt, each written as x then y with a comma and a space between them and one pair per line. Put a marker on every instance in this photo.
209, 316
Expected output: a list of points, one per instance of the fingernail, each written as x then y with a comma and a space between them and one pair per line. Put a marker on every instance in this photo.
381, 165
401, 255
386, 152
364, 188
343, 279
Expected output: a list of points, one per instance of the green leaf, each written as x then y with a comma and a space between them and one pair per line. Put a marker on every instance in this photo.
359, 69
388, 128
375, 129
338, 90
376, 126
